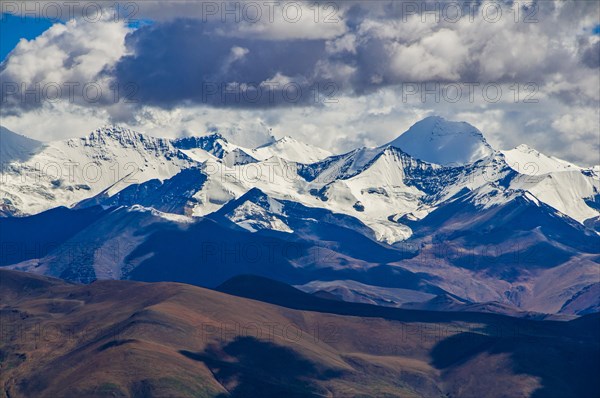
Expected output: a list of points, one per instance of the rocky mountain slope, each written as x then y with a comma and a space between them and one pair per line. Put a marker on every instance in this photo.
436, 211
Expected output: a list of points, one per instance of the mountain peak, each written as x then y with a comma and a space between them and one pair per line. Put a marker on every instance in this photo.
121, 137
214, 136
291, 149
437, 140
287, 138
114, 131
16, 147
525, 148
527, 160
212, 142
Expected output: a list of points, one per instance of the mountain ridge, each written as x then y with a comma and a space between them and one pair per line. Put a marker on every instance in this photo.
379, 216
437, 140
301, 346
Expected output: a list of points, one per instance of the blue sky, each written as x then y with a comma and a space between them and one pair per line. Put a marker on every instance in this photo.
14, 28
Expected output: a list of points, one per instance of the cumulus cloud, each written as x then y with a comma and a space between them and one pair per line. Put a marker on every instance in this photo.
439, 56
198, 66
69, 62
371, 50
341, 70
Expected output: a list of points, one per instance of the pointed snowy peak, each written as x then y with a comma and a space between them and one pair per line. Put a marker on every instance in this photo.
214, 146
348, 165
340, 166
437, 140
238, 157
254, 195
291, 149
527, 160
15, 147
255, 211
214, 143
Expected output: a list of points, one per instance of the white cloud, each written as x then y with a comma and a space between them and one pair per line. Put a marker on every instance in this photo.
439, 56
68, 59
577, 123
370, 55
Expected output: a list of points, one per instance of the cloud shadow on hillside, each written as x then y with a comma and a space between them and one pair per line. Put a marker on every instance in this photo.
258, 368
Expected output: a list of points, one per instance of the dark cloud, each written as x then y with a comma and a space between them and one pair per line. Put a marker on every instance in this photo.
185, 61
384, 44
591, 55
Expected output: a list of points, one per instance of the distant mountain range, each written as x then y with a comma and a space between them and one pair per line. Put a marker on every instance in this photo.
436, 219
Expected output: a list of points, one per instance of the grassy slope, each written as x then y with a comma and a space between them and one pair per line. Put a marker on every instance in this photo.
119, 338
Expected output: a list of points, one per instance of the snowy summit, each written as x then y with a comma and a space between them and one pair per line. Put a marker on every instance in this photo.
437, 140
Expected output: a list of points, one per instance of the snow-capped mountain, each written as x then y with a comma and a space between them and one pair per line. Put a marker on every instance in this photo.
526, 160
380, 186
436, 140
62, 173
215, 146
435, 211
290, 149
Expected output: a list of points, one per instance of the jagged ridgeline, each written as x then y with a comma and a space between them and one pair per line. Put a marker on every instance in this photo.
436, 218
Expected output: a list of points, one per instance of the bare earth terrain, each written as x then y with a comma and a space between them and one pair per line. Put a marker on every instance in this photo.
133, 339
